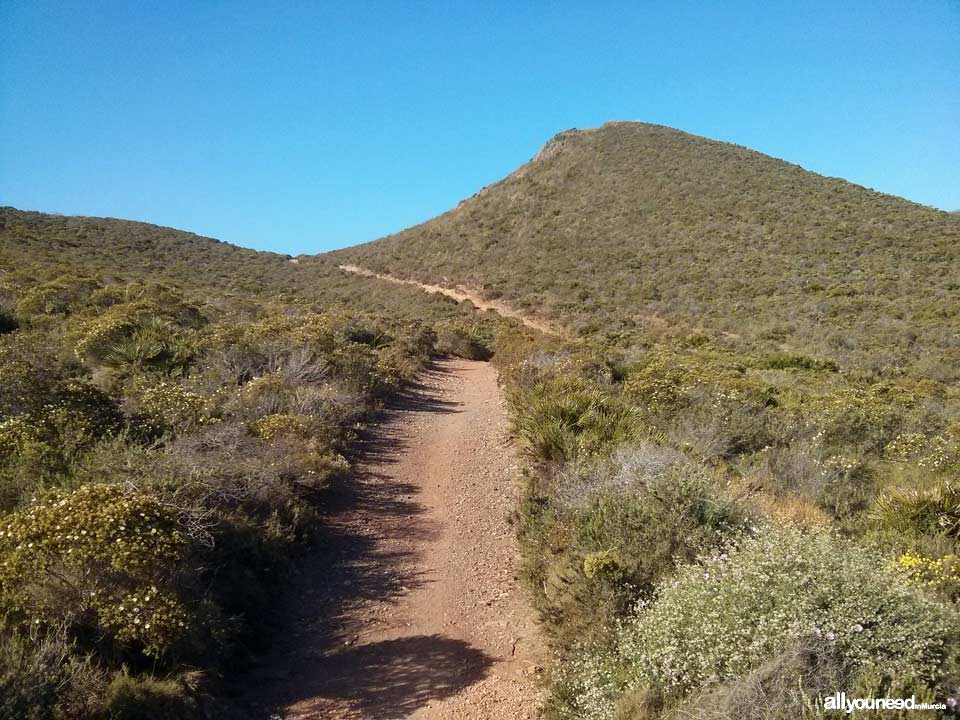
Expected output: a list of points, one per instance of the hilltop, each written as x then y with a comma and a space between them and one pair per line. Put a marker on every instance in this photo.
633, 230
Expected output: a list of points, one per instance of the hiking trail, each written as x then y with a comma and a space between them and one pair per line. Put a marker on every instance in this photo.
460, 294
412, 606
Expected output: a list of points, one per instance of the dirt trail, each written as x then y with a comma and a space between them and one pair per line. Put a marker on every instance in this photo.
460, 294
424, 617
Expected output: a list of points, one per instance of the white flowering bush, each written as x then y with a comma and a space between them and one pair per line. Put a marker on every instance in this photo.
725, 615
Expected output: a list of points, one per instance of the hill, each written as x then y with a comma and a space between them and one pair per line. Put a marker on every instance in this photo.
763, 392
39, 246
173, 410
755, 394
632, 229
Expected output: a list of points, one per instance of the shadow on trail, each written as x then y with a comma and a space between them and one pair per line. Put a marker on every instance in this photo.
373, 533
390, 679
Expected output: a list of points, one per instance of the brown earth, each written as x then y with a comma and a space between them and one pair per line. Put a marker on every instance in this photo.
460, 293
413, 608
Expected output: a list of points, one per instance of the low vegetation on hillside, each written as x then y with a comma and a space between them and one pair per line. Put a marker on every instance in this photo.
163, 459
710, 534
743, 491
742, 487
633, 231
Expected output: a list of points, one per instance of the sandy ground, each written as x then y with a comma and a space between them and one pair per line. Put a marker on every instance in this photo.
460, 294
425, 617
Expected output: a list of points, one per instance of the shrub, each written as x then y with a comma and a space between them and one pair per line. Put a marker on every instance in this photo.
99, 556
942, 575
723, 425
470, 340
355, 366
8, 320
862, 418
154, 344
793, 361
42, 677
726, 615
564, 417
57, 297
147, 698
848, 486
42, 445
913, 511
30, 369
608, 541
273, 426
175, 408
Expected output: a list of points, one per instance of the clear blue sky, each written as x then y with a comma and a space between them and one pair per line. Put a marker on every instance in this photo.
300, 127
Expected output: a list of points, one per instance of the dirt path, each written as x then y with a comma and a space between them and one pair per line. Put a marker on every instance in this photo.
425, 617
460, 294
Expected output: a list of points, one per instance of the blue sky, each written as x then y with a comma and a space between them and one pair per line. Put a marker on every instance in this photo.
301, 127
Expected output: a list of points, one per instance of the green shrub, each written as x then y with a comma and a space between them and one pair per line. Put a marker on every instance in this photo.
270, 427
615, 530
848, 486
147, 698
57, 297
355, 365
860, 418
564, 417
8, 320
793, 361
911, 511
175, 408
721, 425
42, 677
133, 338
470, 340
43, 445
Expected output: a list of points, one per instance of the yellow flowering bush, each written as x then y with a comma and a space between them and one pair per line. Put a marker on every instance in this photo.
96, 337
15, 433
941, 574
273, 426
100, 556
55, 297
174, 407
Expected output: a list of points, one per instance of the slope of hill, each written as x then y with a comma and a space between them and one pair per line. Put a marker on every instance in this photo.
631, 228
764, 387
172, 412
768, 362
45, 246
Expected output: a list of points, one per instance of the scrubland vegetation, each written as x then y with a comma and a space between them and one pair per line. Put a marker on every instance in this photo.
164, 451
742, 488
728, 535
742, 481
633, 231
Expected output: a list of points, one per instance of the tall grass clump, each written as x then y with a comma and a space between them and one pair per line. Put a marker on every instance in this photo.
563, 417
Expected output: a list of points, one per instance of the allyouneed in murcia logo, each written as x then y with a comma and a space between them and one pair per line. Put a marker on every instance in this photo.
839, 702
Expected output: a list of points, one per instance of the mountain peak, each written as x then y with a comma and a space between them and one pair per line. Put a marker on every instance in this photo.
617, 225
